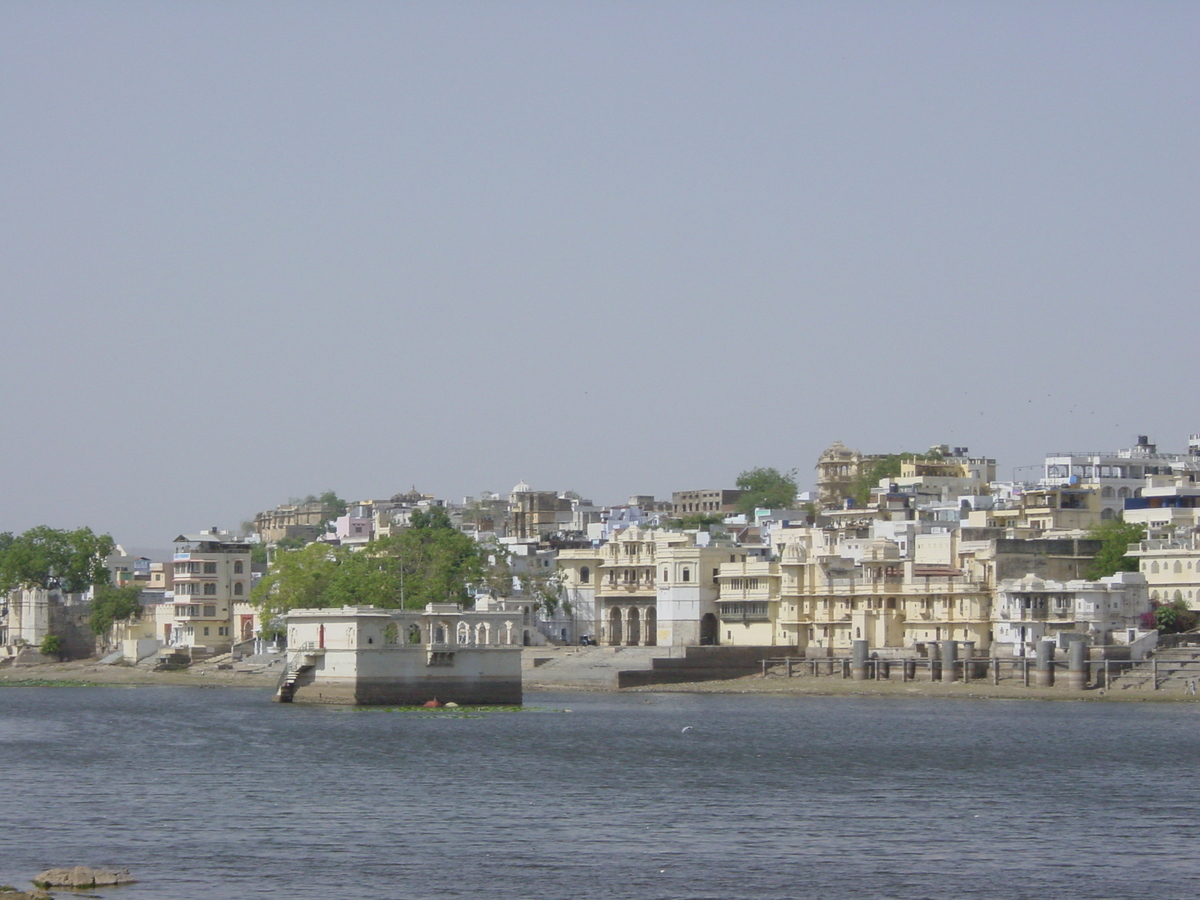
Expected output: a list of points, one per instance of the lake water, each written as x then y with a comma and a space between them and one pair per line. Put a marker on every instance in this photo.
221, 793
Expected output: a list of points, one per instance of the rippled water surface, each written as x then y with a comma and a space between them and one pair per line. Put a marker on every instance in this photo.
220, 793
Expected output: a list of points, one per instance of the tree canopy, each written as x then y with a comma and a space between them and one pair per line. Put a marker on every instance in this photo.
766, 488
47, 557
1116, 535
431, 561
871, 472
113, 604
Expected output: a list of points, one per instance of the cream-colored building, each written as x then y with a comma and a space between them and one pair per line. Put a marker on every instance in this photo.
292, 520
211, 575
748, 603
1171, 567
1035, 512
827, 601
648, 587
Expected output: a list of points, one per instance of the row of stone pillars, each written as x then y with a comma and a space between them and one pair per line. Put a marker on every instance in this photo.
945, 663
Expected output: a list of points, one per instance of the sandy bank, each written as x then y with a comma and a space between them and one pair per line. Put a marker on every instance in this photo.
827, 686
89, 671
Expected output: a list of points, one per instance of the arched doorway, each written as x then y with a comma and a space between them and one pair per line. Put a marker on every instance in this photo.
635, 627
651, 627
708, 630
614, 627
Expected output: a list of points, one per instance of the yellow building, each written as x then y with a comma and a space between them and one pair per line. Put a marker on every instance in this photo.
1172, 567
827, 601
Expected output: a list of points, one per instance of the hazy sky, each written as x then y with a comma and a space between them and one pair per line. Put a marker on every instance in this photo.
256, 250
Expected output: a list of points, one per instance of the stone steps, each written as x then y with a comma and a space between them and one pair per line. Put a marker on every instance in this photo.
1172, 676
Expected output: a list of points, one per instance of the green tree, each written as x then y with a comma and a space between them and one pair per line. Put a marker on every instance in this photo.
439, 563
766, 488
52, 645
1116, 535
113, 604
47, 557
871, 472
297, 579
430, 561
497, 578
1174, 617
544, 588
698, 521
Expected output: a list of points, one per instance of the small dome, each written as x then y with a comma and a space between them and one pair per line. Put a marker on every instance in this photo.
795, 552
880, 549
521, 488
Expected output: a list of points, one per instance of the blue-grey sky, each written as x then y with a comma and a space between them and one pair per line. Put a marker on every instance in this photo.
256, 250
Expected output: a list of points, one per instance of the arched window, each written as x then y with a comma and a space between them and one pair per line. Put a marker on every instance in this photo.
666, 576
1178, 567
237, 567
1154, 567
687, 574
237, 588
585, 575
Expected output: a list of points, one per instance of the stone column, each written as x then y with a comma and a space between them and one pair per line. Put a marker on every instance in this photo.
949, 656
1077, 665
1044, 671
968, 657
858, 660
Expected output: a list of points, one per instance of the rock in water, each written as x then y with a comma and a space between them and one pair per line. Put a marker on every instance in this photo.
82, 877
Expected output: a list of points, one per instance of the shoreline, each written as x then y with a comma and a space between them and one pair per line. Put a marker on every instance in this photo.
91, 673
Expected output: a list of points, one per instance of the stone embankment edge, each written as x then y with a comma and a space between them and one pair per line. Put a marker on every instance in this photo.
90, 672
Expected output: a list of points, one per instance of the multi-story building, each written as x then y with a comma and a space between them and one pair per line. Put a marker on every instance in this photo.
535, 514
827, 601
648, 587
1032, 609
1119, 475
1166, 501
707, 501
1171, 567
211, 575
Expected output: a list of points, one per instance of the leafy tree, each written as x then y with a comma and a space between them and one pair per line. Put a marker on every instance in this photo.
698, 521
497, 578
1116, 535
1174, 617
871, 472
766, 488
52, 645
439, 563
545, 589
430, 561
113, 604
47, 557
297, 579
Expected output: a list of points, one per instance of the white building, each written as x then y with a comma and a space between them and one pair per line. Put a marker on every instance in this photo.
368, 656
1031, 609
1119, 475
